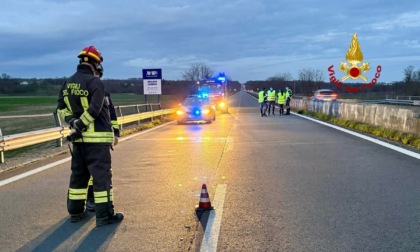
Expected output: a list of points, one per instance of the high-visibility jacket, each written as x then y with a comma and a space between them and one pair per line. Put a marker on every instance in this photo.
261, 96
289, 93
281, 97
82, 97
271, 95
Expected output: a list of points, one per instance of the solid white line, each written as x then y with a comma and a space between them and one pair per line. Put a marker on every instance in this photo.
29, 173
371, 139
211, 234
144, 132
45, 167
25, 116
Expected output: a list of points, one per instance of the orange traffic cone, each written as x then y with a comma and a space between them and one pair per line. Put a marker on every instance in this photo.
204, 200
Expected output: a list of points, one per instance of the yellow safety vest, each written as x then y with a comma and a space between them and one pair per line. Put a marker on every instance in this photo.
261, 96
271, 95
281, 98
289, 93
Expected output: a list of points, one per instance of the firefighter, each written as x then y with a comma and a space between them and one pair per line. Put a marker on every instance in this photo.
271, 99
90, 202
288, 99
281, 97
262, 99
83, 106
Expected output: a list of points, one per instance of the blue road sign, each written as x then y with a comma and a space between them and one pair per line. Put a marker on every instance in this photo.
152, 73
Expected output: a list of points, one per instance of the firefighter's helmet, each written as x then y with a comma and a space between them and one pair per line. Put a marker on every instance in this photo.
92, 53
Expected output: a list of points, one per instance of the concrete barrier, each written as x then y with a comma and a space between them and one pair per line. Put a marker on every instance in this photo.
406, 119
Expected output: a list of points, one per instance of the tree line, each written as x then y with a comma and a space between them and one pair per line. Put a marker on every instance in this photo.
309, 80
51, 86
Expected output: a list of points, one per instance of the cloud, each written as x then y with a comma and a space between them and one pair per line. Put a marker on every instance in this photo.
404, 20
247, 39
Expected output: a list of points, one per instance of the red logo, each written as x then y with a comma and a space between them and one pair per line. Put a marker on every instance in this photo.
354, 69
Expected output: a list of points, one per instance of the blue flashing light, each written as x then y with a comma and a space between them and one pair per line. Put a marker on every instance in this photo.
197, 112
221, 77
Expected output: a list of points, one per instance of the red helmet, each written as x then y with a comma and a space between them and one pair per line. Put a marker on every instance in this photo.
92, 53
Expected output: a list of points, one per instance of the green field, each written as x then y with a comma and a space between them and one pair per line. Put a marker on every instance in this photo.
35, 105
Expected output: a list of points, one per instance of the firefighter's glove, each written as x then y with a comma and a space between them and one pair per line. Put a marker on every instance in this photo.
74, 135
115, 141
77, 125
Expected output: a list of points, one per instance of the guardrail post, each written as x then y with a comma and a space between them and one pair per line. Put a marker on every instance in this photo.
121, 125
160, 108
1, 150
58, 142
138, 112
151, 109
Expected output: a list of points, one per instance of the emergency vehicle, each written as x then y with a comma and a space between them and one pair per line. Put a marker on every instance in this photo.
215, 89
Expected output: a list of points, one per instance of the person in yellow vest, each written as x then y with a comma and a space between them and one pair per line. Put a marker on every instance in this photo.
271, 99
281, 99
262, 99
288, 99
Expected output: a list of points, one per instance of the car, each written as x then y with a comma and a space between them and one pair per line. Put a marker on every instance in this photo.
325, 95
196, 109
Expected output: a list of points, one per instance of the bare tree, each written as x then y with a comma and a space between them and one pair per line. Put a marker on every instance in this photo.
411, 81
409, 74
197, 71
311, 80
282, 77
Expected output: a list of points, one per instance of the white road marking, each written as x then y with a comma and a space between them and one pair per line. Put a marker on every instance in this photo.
25, 116
371, 139
229, 144
211, 234
143, 132
45, 167
29, 173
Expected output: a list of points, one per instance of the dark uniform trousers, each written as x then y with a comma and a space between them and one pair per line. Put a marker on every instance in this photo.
95, 160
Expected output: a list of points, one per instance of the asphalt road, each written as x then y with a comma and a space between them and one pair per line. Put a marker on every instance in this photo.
291, 185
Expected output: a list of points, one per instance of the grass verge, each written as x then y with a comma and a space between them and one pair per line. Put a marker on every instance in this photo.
405, 138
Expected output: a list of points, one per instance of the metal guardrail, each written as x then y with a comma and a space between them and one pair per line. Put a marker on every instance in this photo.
410, 98
58, 133
392, 102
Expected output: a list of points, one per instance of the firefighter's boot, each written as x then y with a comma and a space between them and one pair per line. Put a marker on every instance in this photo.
116, 218
105, 214
77, 217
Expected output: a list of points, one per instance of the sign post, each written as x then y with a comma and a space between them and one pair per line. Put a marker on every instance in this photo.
152, 82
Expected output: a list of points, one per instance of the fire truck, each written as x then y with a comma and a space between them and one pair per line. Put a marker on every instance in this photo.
215, 90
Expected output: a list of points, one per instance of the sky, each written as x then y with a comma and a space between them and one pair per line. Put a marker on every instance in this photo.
246, 39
